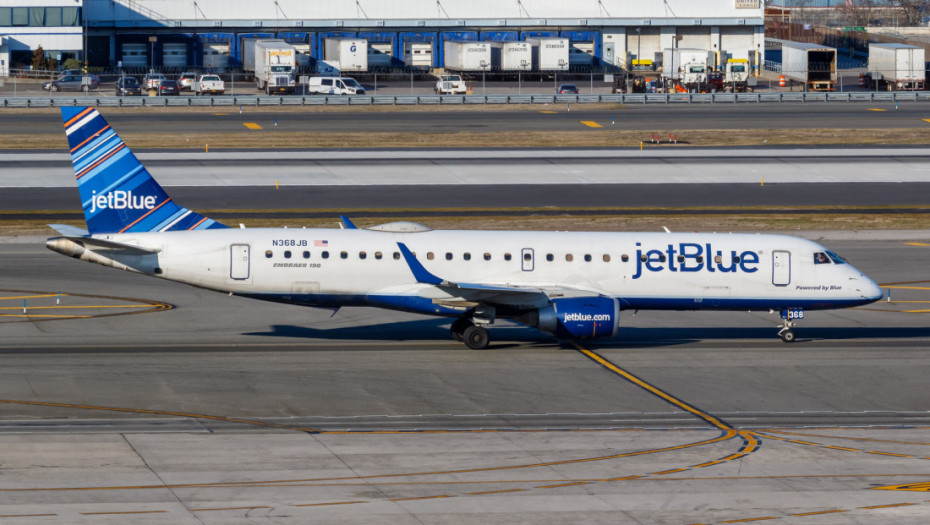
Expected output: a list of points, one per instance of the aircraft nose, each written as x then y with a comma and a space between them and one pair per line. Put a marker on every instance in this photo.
869, 288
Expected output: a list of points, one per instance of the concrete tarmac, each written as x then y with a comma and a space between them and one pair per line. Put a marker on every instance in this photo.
225, 410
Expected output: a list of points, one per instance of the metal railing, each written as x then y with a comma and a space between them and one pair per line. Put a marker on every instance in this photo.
435, 100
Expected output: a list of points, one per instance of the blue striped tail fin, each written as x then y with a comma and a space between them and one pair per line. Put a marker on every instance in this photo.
118, 194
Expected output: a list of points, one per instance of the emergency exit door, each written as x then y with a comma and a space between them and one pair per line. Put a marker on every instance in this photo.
781, 268
239, 261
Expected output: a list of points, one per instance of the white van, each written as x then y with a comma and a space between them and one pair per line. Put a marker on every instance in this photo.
334, 86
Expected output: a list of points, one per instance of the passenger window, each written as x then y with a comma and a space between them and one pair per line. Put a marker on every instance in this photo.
569, 257
606, 258
487, 256
718, 259
344, 255
448, 256
624, 257
642, 258
736, 259
550, 257
587, 257
287, 254
378, 255
306, 255
821, 258
268, 254
362, 255
661, 258
430, 255
325, 255
507, 257
681, 258
527, 257
466, 256
396, 255
700, 258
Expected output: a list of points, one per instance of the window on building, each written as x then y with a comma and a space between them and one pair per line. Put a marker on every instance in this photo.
36, 16
20, 16
6, 16
71, 16
52, 16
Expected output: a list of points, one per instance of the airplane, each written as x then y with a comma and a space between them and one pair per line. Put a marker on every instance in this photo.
572, 285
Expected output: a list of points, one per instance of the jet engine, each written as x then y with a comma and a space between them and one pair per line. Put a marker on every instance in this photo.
576, 317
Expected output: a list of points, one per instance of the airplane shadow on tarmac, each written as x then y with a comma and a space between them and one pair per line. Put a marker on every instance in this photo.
504, 336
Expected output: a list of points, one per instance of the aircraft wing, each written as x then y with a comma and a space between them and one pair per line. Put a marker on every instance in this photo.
527, 296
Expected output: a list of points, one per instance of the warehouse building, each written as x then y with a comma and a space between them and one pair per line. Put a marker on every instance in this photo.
398, 34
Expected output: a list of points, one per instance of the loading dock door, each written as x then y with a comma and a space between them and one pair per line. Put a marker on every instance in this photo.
239, 261
781, 268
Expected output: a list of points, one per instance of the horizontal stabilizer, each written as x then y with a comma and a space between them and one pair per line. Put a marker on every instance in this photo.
69, 231
112, 245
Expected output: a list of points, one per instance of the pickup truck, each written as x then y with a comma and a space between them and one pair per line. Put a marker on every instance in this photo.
208, 84
451, 85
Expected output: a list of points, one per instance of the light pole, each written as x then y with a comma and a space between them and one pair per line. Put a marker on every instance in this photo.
84, 22
638, 49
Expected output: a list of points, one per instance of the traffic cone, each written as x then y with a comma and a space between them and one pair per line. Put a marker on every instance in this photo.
861, 80
781, 80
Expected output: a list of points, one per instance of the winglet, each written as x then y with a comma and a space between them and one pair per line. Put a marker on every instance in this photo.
347, 223
421, 274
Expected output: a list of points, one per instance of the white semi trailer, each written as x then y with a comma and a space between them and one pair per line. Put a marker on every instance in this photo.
272, 62
512, 56
549, 54
811, 65
467, 56
897, 66
346, 54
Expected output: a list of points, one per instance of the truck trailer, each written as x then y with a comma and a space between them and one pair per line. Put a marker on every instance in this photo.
467, 55
346, 54
687, 68
272, 62
897, 66
549, 54
512, 56
811, 65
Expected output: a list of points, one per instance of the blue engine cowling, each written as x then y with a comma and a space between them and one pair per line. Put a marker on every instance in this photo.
580, 317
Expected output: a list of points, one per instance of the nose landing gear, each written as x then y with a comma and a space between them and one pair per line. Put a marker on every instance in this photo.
788, 316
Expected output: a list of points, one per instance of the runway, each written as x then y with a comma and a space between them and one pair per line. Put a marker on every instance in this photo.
377, 417
555, 117
339, 181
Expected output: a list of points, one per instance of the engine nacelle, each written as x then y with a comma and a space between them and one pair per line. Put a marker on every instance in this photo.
578, 317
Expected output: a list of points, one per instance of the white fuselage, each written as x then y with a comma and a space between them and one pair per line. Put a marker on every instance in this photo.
329, 267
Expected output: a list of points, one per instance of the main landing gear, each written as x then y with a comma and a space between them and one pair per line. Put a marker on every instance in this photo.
473, 335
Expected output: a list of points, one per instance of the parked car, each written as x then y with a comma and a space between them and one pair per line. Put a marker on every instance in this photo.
568, 89
152, 80
168, 87
71, 83
128, 86
186, 80
78, 73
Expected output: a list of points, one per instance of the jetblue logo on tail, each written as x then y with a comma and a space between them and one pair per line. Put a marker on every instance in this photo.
121, 200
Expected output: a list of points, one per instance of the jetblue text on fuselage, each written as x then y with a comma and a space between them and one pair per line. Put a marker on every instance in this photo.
694, 258
121, 200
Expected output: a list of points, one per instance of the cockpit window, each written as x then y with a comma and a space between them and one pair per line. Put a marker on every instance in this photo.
821, 258
836, 258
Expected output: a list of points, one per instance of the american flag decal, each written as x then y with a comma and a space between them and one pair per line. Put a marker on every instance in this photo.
321, 243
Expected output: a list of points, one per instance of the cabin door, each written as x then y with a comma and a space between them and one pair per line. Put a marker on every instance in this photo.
527, 259
239, 261
781, 268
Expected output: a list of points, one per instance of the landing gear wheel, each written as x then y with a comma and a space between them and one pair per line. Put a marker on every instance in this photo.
458, 328
787, 336
476, 337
